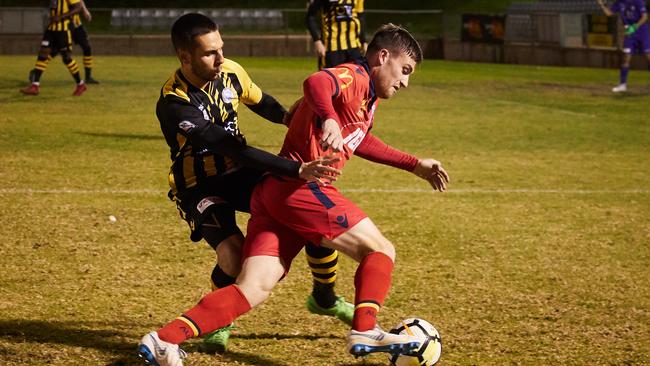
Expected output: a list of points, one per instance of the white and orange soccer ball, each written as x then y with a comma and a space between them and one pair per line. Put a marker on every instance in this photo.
431, 344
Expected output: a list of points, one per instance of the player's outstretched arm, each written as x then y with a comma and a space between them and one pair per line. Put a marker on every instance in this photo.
432, 171
270, 109
604, 7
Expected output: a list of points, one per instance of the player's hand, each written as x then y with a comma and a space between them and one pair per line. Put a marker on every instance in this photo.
87, 15
320, 170
332, 137
630, 29
319, 48
431, 170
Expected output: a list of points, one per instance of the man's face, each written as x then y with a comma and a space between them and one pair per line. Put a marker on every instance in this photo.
207, 56
393, 73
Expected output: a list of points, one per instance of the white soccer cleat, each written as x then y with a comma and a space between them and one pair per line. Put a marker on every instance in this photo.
160, 353
377, 340
620, 88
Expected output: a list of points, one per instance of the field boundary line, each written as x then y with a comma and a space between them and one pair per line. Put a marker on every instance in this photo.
346, 190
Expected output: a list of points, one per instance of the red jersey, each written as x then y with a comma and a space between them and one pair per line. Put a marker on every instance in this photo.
344, 93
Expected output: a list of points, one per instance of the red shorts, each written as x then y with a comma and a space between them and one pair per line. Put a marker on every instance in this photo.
286, 214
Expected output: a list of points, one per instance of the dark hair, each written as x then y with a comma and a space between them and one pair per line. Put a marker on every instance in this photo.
395, 39
188, 26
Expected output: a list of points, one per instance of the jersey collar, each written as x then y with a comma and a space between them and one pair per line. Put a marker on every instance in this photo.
363, 62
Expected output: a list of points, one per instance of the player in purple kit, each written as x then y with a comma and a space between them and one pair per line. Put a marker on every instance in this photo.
637, 40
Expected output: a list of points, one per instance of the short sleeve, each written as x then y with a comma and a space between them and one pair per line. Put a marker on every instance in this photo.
251, 94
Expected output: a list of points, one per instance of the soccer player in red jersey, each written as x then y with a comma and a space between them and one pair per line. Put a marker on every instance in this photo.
336, 114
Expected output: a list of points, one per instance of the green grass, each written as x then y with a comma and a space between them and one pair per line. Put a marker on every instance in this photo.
538, 255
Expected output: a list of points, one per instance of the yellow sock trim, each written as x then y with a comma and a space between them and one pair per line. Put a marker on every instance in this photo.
189, 324
367, 305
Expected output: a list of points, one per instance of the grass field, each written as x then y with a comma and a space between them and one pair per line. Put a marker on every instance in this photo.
538, 255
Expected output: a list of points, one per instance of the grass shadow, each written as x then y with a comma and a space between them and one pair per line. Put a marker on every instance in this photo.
278, 336
91, 335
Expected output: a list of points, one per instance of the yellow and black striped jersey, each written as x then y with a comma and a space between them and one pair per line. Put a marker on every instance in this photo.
185, 112
341, 26
58, 8
76, 21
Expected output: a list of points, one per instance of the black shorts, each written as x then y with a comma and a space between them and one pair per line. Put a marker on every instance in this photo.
80, 36
213, 203
334, 58
57, 40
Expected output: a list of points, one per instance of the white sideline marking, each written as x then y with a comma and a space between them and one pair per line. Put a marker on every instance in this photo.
348, 190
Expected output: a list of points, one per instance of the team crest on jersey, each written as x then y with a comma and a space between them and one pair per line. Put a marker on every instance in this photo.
186, 126
227, 95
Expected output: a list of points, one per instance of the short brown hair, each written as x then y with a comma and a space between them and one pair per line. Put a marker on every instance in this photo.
395, 39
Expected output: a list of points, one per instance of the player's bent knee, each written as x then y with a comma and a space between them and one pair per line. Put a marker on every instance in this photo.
258, 277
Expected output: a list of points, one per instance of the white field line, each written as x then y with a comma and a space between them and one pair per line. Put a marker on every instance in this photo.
347, 190
558, 110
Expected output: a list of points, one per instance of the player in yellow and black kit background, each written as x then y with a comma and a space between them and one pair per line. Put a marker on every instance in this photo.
80, 37
58, 37
337, 28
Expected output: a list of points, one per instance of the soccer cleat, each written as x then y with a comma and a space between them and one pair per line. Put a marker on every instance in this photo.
30, 90
342, 310
377, 340
620, 88
160, 353
217, 341
90, 80
80, 89
32, 75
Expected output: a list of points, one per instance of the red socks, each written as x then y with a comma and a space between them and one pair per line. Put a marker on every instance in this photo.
215, 310
372, 282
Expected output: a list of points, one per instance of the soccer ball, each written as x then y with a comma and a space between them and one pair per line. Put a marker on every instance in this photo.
431, 348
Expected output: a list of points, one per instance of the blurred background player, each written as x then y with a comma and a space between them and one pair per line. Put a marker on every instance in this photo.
337, 28
57, 36
637, 40
286, 212
213, 171
79, 37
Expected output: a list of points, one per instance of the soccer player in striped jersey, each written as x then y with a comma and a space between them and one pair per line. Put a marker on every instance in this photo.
80, 37
637, 39
337, 28
213, 170
58, 37
336, 113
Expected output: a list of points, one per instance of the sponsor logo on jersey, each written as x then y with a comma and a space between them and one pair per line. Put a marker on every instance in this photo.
186, 126
354, 139
207, 202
